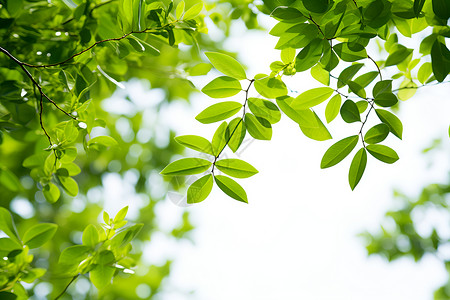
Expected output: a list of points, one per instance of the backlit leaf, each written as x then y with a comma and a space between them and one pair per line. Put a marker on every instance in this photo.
231, 188
195, 142
186, 166
311, 98
200, 189
386, 99
264, 109
237, 131
39, 234
383, 153
222, 87
376, 134
357, 168
218, 112
338, 151
236, 168
333, 107
258, 128
269, 87
227, 65
391, 120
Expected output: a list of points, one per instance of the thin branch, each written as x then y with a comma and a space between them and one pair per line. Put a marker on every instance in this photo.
364, 123
36, 84
41, 110
90, 13
67, 286
378, 68
237, 125
317, 25
147, 30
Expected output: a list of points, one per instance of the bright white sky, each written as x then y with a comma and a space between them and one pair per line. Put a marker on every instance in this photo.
297, 239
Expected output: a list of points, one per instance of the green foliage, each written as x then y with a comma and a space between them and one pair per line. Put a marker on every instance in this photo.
55, 73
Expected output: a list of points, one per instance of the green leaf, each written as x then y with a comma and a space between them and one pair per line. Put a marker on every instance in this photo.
51, 192
418, 4
346, 54
74, 255
218, 112
303, 117
200, 69
200, 189
349, 112
105, 141
69, 185
186, 166
384, 86
309, 56
318, 132
269, 87
231, 188
286, 13
32, 275
237, 131
320, 74
332, 109
7, 245
7, 225
441, 8
376, 134
195, 142
394, 123
227, 65
440, 60
311, 98
316, 6
220, 138
222, 87
362, 106
39, 234
193, 11
8, 295
386, 99
179, 10
258, 128
288, 55
356, 89
90, 236
264, 109
101, 275
121, 215
407, 89
348, 74
425, 72
236, 168
105, 257
398, 56
365, 79
383, 153
338, 151
9, 180
357, 168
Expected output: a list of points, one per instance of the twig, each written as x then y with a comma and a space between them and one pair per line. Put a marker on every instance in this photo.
95, 44
67, 286
237, 125
317, 25
378, 68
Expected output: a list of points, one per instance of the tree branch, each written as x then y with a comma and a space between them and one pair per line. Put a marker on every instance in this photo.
378, 68
237, 125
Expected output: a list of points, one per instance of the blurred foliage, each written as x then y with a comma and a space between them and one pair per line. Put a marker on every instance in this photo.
415, 228
60, 142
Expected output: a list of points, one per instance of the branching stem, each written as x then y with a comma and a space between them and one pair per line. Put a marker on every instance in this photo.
237, 125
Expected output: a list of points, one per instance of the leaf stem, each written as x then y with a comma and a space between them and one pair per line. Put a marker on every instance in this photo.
378, 68
237, 125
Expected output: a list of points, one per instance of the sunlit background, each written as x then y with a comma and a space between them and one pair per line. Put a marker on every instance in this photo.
298, 238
